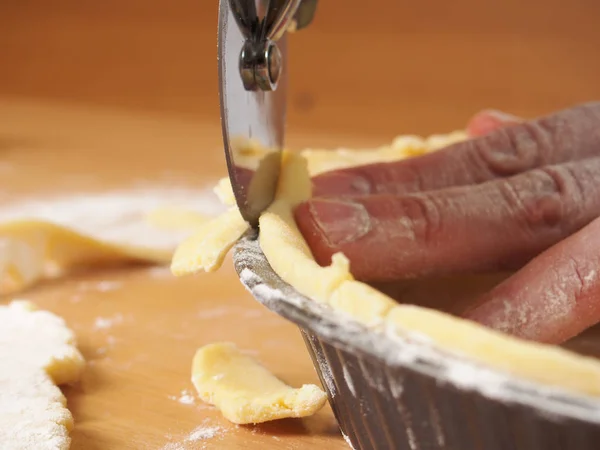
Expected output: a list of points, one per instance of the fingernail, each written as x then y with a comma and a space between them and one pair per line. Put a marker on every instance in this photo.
340, 183
341, 222
501, 115
488, 121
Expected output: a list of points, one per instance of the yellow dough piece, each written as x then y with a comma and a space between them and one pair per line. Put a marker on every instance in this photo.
402, 147
47, 237
224, 191
320, 161
37, 352
34, 250
362, 302
206, 249
170, 218
284, 246
246, 392
547, 364
291, 258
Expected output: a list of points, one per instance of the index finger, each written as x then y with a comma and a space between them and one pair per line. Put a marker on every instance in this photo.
568, 135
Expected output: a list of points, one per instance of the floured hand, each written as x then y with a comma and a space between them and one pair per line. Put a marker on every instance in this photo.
519, 193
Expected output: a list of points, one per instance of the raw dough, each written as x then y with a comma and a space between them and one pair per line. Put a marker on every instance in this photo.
290, 257
547, 364
170, 218
244, 391
38, 353
207, 248
319, 161
41, 239
33, 250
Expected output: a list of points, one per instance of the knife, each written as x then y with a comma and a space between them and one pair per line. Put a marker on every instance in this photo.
252, 57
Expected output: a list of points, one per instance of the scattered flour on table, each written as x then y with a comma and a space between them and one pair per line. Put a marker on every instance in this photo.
213, 313
119, 216
159, 272
251, 352
185, 397
201, 433
108, 286
101, 286
110, 343
220, 311
102, 323
197, 435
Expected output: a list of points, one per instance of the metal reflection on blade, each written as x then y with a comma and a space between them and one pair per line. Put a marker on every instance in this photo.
252, 122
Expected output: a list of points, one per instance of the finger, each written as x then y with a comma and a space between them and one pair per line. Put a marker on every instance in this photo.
554, 297
568, 135
490, 120
497, 225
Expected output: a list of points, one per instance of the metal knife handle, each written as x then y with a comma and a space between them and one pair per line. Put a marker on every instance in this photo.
263, 23
246, 16
269, 19
280, 14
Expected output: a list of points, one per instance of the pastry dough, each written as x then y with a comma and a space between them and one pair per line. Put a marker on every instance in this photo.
319, 161
547, 364
46, 239
246, 392
33, 250
290, 257
170, 218
38, 353
206, 249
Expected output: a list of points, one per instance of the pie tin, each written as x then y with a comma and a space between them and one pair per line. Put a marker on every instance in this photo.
393, 392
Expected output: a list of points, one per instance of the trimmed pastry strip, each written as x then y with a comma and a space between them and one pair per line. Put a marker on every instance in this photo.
245, 391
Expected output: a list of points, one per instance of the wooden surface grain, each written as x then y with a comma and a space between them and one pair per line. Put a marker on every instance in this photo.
138, 327
98, 95
383, 66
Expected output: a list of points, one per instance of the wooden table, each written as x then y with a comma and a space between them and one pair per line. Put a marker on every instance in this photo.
125, 91
139, 327
381, 66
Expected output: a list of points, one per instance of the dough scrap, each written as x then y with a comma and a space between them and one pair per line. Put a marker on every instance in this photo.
45, 239
246, 392
290, 257
206, 249
31, 251
224, 192
38, 353
170, 218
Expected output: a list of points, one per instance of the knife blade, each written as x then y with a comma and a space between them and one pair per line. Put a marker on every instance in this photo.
250, 118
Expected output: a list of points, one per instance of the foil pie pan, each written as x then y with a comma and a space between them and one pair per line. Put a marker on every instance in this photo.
391, 392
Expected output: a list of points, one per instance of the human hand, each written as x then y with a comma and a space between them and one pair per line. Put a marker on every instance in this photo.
518, 195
